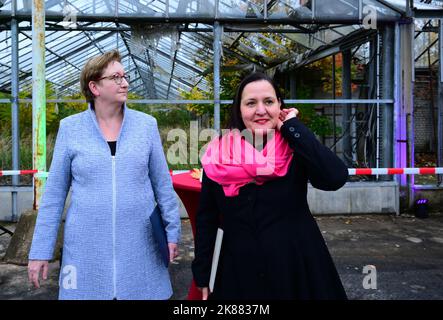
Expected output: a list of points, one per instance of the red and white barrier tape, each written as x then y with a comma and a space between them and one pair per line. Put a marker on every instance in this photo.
16, 172
352, 172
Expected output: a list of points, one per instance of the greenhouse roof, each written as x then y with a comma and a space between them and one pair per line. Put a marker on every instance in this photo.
167, 46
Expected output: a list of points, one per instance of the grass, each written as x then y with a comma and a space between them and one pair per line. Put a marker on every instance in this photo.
25, 155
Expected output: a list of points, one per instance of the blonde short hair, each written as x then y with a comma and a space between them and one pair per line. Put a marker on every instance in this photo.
93, 70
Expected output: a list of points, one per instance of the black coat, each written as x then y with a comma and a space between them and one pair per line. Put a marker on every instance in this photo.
272, 247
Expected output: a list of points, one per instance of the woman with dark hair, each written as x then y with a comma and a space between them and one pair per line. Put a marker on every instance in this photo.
255, 189
236, 121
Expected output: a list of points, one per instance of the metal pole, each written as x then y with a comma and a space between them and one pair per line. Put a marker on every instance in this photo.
334, 109
313, 9
398, 144
372, 93
353, 125
387, 92
217, 59
182, 101
347, 94
15, 110
198, 18
293, 85
410, 124
407, 106
38, 97
432, 137
265, 9
377, 76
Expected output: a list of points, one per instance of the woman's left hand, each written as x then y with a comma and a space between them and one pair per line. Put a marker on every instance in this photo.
286, 114
173, 251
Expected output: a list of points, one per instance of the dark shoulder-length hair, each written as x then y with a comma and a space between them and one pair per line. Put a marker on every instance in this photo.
235, 120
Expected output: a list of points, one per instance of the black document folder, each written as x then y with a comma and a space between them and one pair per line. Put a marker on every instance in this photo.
159, 232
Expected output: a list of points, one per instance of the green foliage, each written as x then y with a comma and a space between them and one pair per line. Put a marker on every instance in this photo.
230, 78
166, 115
66, 109
25, 111
276, 47
323, 68
319, 124
54, 111
196, 94
175, 118
25, 152
316, 75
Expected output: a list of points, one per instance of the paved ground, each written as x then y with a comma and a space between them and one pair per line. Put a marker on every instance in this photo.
407, 254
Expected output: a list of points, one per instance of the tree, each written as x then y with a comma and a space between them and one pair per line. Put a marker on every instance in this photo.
25, 111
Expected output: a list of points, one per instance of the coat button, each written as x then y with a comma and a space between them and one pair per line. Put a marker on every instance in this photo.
291, 129
297, 135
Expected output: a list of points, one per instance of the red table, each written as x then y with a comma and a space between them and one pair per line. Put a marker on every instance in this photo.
188, 189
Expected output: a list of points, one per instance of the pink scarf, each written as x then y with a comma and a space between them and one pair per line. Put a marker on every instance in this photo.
233, 162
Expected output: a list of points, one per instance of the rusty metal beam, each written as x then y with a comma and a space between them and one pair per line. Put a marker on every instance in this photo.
38, 98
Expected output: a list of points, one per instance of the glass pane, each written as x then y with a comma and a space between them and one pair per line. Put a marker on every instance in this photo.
105, 7
50, 5
154, 8
328, 9
426, 41
290, 8
382, 12
193, 8
5, 5
26, 5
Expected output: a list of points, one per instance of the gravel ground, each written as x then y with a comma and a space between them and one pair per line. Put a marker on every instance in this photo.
405, 254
